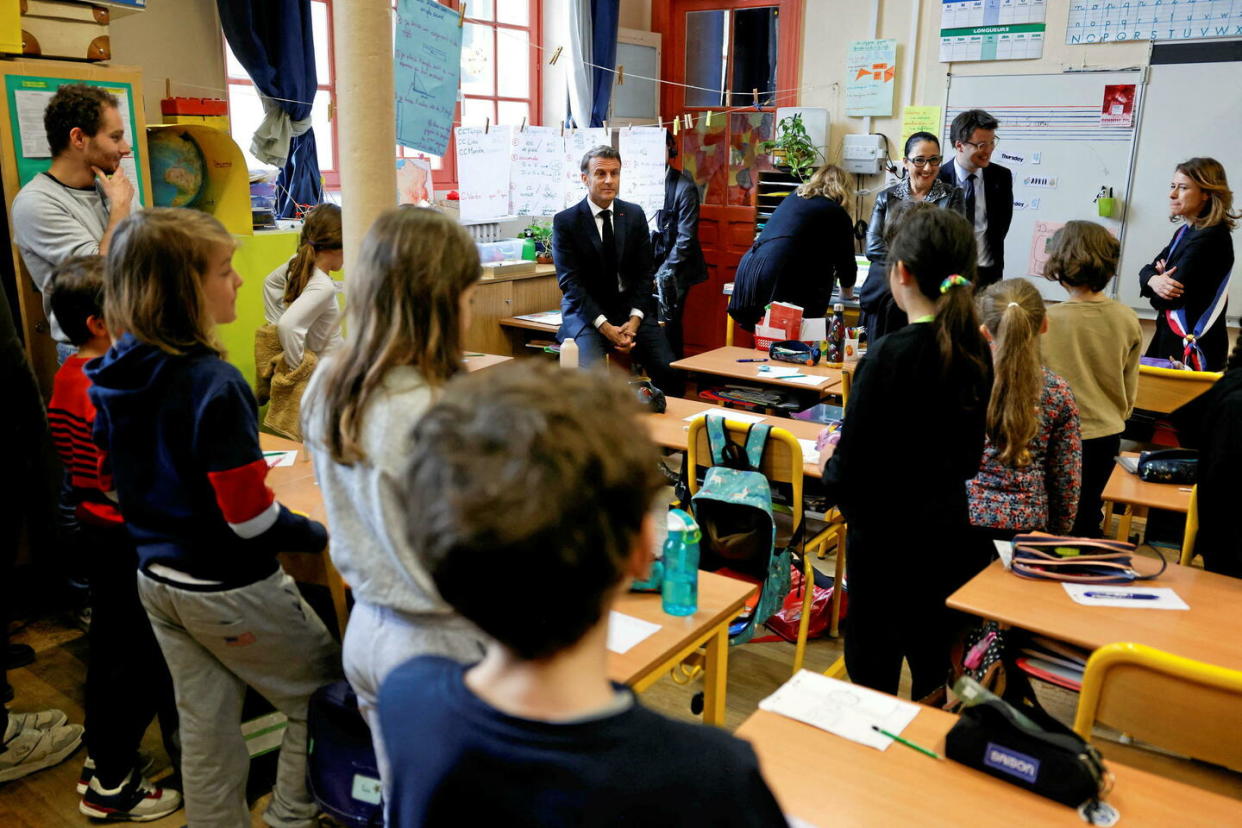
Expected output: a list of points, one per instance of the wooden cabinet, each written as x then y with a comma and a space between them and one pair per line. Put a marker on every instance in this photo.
495, 299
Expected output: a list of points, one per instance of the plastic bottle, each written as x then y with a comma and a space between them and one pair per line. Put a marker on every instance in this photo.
528, 250
835, 357
569, 353
680, 592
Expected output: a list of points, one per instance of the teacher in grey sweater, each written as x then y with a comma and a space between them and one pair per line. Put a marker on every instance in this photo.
73, 207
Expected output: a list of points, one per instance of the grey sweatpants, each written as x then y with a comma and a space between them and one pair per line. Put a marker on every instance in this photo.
216, 643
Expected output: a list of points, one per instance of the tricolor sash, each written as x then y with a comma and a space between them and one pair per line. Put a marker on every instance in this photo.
1192, 354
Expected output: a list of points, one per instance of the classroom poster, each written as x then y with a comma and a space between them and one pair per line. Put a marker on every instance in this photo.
484, 164
577, 142
869, 74
1041, 241
426, 73
536, 187
1118, 107
414, 182
992, 29
1091, 21
920, 119
644, 158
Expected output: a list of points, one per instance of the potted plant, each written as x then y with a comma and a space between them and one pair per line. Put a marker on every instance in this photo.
792, 148
541, 233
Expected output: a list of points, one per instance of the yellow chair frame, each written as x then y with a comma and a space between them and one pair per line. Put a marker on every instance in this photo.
1165, 389
1192, 528
781, 463
1166, 700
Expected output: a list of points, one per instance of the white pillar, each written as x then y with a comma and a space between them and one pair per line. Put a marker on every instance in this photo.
366, 117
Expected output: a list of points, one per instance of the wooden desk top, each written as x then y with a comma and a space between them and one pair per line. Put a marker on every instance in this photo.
478, 363
1207, 631
540, 270
723, 362
670, 429
514, 322
720, 599
1124, 487
826, 780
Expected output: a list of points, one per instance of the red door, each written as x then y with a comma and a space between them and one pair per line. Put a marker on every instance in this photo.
722, 52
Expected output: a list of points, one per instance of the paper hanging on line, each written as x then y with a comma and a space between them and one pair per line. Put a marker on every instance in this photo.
807, 379
484, 161
535, 184
810, 454
625, 631
839, 707
646, 163
735, 416
1166, 598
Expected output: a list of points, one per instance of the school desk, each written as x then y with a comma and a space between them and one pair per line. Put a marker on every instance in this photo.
1206, 632
670, 429
505, 296
826, 780
1137, 496
723, 362
720, 599
477, 362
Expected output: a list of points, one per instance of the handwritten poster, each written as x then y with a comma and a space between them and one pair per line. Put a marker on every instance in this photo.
577, 143
414, 182
484, 162
643, 159
536, 182
426, 71
869, 73
1041, 241
920, 119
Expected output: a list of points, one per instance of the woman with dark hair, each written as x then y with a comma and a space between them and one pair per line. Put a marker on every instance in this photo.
806, 246
921, 159
1188, 283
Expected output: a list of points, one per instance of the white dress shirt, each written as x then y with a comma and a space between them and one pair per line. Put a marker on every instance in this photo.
980, 218
599, 228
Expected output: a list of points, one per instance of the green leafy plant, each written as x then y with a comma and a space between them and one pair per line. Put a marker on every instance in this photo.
792, 147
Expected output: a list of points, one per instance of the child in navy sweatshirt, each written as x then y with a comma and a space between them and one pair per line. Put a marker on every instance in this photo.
180, 430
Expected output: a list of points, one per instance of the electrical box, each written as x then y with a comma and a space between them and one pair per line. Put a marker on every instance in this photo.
862, 153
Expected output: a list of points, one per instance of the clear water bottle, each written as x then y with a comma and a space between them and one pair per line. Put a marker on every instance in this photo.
569, 353
681, 565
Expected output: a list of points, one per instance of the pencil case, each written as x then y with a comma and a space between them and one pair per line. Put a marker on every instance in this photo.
1169, 466
1076, 560
795, 351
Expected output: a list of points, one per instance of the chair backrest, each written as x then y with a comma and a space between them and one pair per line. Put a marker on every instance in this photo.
781, 463
1167, 389
1176, 703
1192, 528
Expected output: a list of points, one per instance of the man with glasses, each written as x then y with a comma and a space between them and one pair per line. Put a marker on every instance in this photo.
988, 188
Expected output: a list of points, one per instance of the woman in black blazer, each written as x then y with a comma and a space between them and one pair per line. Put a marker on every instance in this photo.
922, 163
806, 246
1188, 282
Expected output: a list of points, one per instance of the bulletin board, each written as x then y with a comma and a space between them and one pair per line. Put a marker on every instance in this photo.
1062, 148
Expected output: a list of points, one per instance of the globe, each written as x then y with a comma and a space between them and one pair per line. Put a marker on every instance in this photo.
177, 168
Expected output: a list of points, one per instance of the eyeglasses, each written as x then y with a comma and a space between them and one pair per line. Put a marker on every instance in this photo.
981, 144
923, 162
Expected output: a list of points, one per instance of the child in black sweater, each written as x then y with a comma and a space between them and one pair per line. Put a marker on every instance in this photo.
913, 435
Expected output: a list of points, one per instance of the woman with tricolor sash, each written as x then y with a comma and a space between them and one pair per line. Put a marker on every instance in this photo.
1188, 283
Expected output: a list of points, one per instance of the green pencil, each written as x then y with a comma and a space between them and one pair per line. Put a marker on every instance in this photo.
907, 742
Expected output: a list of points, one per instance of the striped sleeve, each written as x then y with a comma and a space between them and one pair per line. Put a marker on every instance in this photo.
227, 443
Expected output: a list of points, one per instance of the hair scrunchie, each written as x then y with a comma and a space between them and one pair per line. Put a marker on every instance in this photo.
954, 281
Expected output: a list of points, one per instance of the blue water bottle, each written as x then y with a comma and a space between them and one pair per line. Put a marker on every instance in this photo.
681, 565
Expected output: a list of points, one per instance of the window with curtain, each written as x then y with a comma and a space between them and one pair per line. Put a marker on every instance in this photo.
499, 80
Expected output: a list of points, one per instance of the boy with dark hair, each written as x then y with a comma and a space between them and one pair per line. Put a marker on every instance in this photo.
127, 682
542, 480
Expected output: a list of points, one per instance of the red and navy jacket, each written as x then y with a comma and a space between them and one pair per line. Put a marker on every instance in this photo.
181, 435
72, 417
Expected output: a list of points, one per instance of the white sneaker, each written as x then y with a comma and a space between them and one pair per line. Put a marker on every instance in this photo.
33, 749
134, 800
145, 763
42, 720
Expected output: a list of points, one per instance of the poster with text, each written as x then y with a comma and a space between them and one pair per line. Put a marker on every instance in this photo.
1118, 107
426, 71
484, 161
920, 119
869, 74
992, 29
644, 158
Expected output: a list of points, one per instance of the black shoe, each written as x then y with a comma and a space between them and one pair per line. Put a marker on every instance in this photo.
18, 655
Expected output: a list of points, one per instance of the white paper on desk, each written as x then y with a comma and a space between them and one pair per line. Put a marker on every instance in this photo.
813, 330
1166, 598
1005, 550
282, 458
810, 454
778, 371
624, 631
839, 707
735, 416
807, 379
768, 332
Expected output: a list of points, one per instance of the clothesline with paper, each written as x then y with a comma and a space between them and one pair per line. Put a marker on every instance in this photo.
484, 163
426, 68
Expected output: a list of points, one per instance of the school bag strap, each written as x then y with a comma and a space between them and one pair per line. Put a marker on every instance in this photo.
725, 452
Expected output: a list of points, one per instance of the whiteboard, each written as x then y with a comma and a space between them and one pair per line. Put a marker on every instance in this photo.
1192, 109
1052, 139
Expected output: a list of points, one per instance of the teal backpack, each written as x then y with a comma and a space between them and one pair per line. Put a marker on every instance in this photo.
734, 510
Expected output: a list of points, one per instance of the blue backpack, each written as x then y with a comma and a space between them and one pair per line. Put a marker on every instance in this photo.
734, 509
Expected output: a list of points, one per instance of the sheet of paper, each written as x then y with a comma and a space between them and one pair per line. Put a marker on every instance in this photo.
280, 458
736, 416
1005, 550
807, 380
1095, 595
813, 330
577, 142
847, 710
810, 454
548, 317
30, 107
645, 155
484, 159
778, 371
426, 73
625, 631
535, 184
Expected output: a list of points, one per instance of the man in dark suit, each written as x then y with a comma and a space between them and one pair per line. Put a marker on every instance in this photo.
678, 257
990, 206
602, 252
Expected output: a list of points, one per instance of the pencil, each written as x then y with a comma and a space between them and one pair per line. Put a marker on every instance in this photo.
907, 742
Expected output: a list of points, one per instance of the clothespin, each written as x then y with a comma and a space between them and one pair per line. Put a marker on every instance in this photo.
605, 126
676, 125
555, 56
562, 129
620, 75
522, 128
461, 16
487, 125
709, 119
755, 94
689, 121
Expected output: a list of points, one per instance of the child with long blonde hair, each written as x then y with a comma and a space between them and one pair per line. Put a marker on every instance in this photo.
410, 291
179, 426
1032, 460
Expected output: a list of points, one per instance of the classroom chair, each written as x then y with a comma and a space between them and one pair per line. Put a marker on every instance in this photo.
1192, 528
728, 329
781, 463
1166, 389
1174, 703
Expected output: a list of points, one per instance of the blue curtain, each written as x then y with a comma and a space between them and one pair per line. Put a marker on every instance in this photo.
274, 41
604, 16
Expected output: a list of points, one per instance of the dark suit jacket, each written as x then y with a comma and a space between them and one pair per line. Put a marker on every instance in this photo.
1202, 258
586, 291
998, 193
678, 226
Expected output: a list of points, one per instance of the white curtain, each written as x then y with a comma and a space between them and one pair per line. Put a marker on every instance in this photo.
577, 73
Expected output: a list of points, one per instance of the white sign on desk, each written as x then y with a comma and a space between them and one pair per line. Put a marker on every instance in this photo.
848, 710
